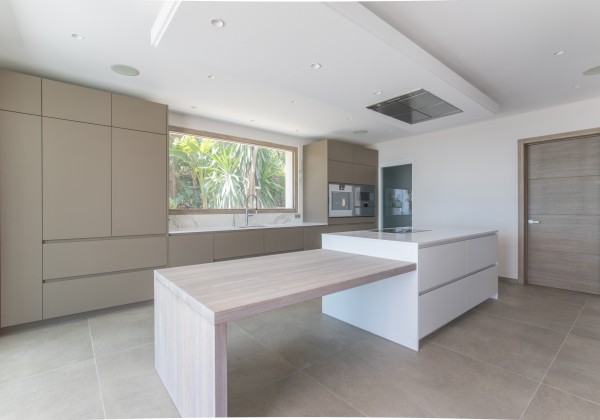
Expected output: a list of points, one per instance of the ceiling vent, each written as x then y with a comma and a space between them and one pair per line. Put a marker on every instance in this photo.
415, 107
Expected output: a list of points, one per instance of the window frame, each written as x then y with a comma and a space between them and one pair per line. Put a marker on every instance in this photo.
241, 140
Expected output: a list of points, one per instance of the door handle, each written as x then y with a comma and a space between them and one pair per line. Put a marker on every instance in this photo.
533, 222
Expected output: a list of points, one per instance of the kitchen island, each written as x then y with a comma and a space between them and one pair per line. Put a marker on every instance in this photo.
456, 271
193, 304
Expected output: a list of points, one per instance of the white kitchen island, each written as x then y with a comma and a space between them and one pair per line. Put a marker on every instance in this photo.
456, 271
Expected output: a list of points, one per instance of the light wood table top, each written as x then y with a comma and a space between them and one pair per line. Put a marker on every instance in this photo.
225, 291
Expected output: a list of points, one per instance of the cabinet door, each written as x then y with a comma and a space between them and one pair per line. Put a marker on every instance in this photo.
340, 151
76, 162
442, 263
75, 103
364, 156
238, 244
312, 237
137, 114
481, 252
340, 172
190, 249
20, 92
139, 183
20, 218
441, 306
364, 175
284, 240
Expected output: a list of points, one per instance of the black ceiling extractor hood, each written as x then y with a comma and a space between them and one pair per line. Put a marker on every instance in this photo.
415, 107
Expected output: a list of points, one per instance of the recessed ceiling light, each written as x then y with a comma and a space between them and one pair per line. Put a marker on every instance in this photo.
252, 120
77, 37
378, 92
217, 23
557, 53
315, 66
592, 72
124, 70
360, 131
211, 76
293, 102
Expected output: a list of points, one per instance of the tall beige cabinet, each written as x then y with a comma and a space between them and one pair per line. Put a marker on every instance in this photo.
333, 161
101, 202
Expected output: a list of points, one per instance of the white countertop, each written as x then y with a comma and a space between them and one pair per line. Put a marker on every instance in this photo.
432, 235
206, 229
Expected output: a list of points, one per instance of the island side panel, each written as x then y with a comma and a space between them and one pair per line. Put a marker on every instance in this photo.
388, 308
190, 356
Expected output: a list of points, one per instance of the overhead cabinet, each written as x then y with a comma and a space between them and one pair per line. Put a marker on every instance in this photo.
137, 114
20, 93
75, 103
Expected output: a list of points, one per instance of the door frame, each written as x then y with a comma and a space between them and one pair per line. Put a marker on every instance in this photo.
522, 148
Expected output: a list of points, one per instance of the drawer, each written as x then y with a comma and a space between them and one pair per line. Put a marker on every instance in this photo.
75, 103
70, 259
481, 286
440, 264
238, 244
73, 296
283, 240
441, 306
190, 249
481, 252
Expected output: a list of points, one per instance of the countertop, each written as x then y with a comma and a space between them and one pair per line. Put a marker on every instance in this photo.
431, 237
206, 229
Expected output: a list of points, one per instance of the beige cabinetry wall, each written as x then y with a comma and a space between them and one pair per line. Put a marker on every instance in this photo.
83, 209
331, 161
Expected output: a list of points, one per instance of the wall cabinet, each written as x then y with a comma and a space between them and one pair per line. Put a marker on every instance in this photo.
139, 183
76, 180
20, 93
342, 172
137, 114
20, 218
75, 103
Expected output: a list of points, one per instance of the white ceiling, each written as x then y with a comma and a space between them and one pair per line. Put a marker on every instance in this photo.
487, 57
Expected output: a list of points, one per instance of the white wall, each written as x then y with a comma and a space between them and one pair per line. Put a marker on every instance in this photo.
467, 176
221, 127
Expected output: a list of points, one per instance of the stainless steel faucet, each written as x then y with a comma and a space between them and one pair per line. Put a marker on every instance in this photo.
255, 199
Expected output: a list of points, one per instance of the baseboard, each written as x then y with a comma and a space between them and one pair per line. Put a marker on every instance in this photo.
508, 280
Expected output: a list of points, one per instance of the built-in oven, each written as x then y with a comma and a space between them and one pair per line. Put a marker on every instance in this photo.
341, 200
365, 201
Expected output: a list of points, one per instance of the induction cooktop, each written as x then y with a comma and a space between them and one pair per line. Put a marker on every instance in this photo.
405, 229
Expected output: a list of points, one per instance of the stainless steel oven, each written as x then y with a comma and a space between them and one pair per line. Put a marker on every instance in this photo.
341, 200
365, 201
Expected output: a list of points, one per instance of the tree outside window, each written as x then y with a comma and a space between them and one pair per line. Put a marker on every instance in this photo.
213, 173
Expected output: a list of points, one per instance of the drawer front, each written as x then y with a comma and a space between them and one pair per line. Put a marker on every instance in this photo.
282, 240
481, 252
70, 259
190, 249
481, 286
441, 306
90, 293
440, 264
238, 244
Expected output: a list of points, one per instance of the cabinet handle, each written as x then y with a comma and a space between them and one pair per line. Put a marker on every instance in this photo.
533, 222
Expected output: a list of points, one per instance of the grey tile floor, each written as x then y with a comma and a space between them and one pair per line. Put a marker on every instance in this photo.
533, 354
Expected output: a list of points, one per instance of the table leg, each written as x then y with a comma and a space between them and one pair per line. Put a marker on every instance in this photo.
190, 356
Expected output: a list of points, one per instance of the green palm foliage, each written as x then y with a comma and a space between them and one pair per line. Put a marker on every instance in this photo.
206, 173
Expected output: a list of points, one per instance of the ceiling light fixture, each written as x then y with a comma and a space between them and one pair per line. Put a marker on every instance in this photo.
77, 37
167, 11
557, 53
592, 72
217, 23
378, 92
124, 70
315, 66
211, 76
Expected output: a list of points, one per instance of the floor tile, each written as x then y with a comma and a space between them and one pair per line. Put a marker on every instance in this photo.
130, 386
122, 330
294, 396
552, 310
518, 347
542, 292
588, 323
302, 336
576, 369
38, 350
383, 379
251, 365
552, 404
69, 392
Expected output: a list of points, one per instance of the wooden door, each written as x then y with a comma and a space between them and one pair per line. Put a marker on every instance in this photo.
563, 214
